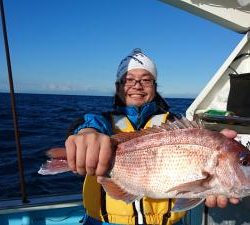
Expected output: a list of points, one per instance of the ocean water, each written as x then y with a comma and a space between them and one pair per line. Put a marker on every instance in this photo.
43, 123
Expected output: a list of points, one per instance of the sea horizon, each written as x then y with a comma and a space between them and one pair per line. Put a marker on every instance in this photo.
175, 96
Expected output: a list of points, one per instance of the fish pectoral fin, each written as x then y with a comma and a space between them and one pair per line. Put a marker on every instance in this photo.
195, 186
115, 191
184, 204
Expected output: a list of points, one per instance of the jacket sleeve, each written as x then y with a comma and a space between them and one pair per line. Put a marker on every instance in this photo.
98, 122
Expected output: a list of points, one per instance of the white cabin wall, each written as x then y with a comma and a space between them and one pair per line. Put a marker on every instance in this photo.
215, 93
220, 91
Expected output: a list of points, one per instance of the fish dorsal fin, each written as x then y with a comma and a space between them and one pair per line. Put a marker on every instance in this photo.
182, 123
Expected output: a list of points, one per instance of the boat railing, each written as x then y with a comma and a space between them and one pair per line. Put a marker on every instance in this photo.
13, 106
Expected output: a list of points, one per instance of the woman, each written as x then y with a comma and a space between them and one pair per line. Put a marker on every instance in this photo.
89, 151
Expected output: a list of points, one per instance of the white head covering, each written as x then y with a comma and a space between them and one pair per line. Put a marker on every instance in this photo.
136, 60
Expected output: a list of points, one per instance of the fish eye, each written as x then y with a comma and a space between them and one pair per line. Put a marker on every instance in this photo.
244, 161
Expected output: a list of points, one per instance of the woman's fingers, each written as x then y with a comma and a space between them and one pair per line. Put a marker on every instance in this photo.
89, 153
229, 133
71, 152
234, 200
105, 156
220, 201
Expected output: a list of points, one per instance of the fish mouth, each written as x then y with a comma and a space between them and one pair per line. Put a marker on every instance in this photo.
246, 171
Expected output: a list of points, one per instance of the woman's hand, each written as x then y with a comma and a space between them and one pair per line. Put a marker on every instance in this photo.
221, 201
89, 152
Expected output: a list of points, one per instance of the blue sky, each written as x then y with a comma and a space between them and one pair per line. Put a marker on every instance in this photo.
75, 46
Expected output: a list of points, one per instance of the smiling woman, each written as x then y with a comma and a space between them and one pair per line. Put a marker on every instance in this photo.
90, 152
136, 87
135, 82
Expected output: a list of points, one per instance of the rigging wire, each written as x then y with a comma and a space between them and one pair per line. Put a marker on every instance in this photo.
13, 106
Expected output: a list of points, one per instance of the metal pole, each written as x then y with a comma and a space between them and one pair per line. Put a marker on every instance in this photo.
13, 106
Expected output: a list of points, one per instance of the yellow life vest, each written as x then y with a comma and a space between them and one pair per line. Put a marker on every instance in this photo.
100, 206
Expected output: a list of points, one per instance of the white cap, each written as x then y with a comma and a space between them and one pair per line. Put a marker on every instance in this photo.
136, 60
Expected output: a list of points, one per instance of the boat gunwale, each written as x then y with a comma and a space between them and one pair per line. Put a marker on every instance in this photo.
40, 203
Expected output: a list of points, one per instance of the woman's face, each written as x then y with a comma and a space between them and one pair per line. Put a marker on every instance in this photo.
137, 87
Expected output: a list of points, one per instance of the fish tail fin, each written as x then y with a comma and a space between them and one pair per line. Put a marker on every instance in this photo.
57, 153
54, 166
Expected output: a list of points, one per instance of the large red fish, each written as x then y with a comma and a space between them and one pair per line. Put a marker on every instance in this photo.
176, 160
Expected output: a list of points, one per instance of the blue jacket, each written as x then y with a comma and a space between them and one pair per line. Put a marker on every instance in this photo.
137, 116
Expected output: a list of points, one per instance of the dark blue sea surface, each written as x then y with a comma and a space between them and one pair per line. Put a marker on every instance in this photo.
43, 123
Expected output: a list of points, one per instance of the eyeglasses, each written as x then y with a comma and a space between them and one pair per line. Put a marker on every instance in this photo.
143, 82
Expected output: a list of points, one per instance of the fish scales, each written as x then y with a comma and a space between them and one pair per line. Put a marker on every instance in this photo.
167, 167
